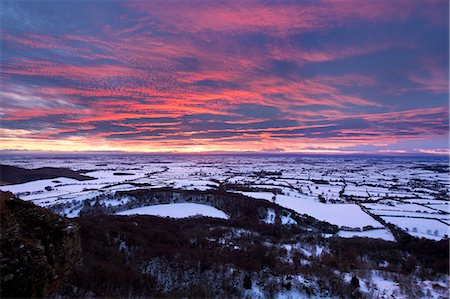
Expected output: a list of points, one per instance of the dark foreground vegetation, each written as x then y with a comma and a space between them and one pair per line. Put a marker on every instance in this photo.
147, 257
16, 175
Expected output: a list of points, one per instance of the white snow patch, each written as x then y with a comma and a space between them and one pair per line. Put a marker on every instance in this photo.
349, 215
38, 185
421, 228
254, 292
287, 220
385, 288
374, 234
292, 294
270, 218
177, 210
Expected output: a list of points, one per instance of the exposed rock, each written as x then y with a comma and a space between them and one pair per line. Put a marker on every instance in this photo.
38, 248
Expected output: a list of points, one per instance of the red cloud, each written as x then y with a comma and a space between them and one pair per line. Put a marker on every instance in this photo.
191, 62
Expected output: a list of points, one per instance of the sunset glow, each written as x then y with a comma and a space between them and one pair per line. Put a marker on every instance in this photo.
218, 76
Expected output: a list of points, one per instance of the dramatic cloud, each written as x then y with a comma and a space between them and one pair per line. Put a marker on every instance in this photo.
292, 76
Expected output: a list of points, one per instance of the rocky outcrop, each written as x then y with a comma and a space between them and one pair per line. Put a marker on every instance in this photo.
38, 249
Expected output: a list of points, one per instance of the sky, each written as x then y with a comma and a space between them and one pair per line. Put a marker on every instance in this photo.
225, 76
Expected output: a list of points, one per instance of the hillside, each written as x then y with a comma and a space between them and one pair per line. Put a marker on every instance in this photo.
16, 175
243, 256
154, 257
38, 249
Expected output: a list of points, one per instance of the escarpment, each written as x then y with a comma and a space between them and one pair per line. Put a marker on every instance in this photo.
39, 249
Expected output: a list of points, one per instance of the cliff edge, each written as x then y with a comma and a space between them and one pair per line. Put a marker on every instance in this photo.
39, 249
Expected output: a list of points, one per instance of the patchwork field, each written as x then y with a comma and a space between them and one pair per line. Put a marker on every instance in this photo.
361, 195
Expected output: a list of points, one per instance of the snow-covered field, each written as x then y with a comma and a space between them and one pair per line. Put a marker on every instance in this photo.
412, 193
177, 210
383, 233
428, 228
346, 214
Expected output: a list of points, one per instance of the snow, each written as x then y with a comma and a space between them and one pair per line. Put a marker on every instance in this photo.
254, 292
349, 215
446, 221
308, 250
258, 195
116, 202
177, 210
194, 184
362, 177
319, 250
291, 294
421, 228
38, 185
108, 176
385, 288
431, 291
121, 187
73, 213
383, 234
270, 218
433, 215
399, 207
287, 220
441, 207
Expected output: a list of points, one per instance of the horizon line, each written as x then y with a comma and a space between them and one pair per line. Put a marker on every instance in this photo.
211, 153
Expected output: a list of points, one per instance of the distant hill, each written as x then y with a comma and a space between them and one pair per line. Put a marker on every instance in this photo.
16, 175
